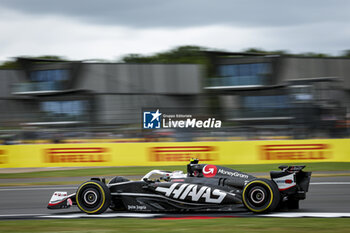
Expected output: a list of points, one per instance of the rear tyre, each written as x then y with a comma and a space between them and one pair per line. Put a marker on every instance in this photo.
93, 197
261, 195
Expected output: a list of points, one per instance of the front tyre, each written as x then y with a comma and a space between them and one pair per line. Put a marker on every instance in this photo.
261, 195
93, 197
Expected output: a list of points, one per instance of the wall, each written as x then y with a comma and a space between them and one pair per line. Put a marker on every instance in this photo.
304, 68
179, 79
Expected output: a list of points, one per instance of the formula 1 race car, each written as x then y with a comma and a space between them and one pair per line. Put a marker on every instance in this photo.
205, 187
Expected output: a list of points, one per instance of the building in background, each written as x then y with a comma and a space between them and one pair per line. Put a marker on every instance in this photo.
305, 96
78, 95
256, 95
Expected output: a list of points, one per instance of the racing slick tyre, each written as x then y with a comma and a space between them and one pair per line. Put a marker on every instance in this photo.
93, 197
261, 195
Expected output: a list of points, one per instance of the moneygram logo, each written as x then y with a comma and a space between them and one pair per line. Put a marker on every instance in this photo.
209, 170
76, 155
295, 152
183, 153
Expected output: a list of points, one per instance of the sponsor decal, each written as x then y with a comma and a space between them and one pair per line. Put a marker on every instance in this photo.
3, 157
137, 207
285, 182
232, 174
192, 192
76, 155
183, 153
209, 170
177, 180
295, 152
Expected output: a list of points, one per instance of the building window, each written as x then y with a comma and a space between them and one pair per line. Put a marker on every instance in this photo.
48, 80
272, 102
56, 75
244, 74
73, 110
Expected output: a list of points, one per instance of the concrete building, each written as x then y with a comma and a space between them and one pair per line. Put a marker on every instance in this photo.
253, 91
58, 93
300, 93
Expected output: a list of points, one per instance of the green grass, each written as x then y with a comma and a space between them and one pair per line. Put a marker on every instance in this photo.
155, 225
124, 171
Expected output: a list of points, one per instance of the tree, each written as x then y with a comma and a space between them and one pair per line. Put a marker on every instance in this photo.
261, 51
15, 64
182, 55
10, 65
346, 53
311, 54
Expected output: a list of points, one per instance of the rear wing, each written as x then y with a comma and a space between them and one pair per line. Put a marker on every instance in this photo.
292, 180
292, 168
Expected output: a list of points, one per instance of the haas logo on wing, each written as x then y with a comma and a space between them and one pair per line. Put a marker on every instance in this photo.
209, 170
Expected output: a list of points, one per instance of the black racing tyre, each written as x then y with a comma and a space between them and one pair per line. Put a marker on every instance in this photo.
261, 195
93, 197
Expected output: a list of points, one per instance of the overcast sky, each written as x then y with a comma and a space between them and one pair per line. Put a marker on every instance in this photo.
109, 29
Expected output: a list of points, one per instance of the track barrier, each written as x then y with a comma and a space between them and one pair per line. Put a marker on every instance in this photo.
174, 153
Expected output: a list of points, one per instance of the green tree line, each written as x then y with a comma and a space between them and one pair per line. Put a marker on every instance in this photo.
188, 54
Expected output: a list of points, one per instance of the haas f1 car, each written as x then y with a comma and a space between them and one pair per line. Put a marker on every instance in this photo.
205, 187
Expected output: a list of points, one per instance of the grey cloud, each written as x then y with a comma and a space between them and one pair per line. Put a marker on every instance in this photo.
189, 13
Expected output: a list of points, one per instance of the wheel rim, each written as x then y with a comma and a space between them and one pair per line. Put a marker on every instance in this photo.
257, 196
90, 197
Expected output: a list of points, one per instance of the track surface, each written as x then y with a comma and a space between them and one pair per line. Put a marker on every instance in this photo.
326, 195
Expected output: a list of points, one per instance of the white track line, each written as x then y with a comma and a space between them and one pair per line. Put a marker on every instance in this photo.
18, 215
33, 189
107, 215
145, 215
312, 215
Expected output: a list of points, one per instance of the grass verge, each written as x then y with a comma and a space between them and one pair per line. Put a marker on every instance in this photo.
154, 225
124, 171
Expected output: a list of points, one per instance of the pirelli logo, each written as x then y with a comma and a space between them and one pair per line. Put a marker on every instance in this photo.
77, 155
183, 153
295, 152
3, 157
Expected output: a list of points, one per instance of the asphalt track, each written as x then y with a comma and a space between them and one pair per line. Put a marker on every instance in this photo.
327, 197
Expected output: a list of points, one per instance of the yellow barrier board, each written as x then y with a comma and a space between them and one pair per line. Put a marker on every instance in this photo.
174, 153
